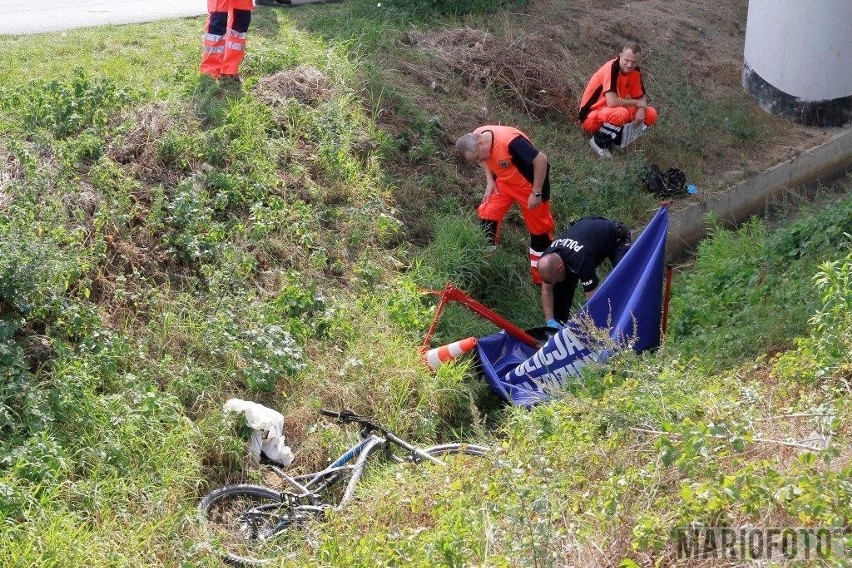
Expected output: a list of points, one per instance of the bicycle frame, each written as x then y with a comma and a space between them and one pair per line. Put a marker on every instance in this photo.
310, 484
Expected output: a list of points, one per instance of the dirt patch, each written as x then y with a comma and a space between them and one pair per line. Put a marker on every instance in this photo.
304, 83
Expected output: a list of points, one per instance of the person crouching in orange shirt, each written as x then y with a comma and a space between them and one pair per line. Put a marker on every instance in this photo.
515, 172
225, 38
614, 108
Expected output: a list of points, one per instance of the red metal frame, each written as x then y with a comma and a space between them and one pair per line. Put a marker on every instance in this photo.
667, 294
452, 294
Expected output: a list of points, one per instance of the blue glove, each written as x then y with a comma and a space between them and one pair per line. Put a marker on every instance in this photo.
553, 323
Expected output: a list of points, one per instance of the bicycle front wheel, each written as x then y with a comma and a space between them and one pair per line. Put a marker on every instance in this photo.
454, 457
445, 450
244, 522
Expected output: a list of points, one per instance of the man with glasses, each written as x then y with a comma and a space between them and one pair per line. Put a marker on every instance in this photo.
574, 257
515, 172
614, 109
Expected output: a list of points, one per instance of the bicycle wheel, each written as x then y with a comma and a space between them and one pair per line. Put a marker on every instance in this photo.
456, 449
243, 522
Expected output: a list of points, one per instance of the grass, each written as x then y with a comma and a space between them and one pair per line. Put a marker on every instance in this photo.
166, 245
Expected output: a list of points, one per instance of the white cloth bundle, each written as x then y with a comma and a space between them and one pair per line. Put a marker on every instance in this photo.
268, 427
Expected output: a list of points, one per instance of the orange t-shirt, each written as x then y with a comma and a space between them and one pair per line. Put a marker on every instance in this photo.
610, 78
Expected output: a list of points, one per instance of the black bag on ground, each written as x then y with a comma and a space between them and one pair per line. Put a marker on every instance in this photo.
665, 184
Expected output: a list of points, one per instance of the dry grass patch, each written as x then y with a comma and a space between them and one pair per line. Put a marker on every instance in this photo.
525, 68
139, 145
138, 149
304, 83
11, 170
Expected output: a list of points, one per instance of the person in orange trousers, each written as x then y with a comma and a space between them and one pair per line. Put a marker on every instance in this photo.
225, 38
515, 172
614, 108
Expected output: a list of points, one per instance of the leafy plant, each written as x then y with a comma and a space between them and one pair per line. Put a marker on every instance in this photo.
824, 355
67, 108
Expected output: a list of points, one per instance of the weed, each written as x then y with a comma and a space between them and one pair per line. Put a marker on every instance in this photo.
66, 108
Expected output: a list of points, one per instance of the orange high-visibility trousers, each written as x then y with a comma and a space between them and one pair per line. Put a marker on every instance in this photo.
538, 221
225, 37
618, 116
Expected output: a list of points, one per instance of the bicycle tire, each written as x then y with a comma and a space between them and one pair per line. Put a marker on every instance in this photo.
242, 521
450, 449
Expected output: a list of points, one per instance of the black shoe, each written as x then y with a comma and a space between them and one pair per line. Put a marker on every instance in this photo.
266, 2
230, 81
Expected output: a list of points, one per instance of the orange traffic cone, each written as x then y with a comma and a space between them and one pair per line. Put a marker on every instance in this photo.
450, 351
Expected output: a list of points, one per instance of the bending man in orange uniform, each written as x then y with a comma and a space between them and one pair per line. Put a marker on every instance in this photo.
515, 172
225, 40
614, 109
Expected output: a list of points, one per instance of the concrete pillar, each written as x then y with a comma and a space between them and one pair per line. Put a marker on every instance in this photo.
798, 59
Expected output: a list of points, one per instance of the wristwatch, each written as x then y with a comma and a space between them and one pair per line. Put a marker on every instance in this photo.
537, 194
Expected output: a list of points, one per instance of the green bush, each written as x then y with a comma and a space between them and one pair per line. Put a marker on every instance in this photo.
40, 459
750, 289
826, 354
192, 234
16, 388
269, 352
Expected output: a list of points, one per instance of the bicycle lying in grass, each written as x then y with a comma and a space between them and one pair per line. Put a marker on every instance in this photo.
246, 522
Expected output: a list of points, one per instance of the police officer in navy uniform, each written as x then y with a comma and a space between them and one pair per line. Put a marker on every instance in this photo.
574, 257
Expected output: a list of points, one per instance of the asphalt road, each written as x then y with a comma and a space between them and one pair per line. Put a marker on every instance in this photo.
38, 16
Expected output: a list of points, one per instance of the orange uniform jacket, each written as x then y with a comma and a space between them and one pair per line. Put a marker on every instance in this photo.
609, 78
500, 160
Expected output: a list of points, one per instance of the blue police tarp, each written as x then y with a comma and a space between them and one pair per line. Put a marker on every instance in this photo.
627, 305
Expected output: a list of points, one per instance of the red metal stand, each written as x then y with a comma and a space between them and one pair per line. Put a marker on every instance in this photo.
667, 294
452, 294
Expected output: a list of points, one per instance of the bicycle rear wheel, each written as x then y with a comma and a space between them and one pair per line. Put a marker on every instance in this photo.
243, 522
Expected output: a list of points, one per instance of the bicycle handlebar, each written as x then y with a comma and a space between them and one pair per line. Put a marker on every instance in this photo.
347, 416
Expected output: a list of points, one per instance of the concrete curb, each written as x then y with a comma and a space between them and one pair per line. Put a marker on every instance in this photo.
822, 163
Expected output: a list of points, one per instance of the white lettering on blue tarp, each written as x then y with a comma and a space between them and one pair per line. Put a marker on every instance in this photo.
565, 349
